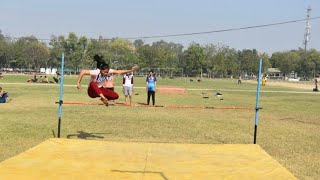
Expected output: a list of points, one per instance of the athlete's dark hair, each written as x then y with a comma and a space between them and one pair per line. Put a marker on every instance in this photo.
100, 62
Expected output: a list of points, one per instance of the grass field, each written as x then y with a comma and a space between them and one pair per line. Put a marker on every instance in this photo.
288, 129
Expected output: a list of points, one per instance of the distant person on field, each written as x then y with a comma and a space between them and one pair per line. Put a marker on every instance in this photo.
56, 79
239, 79
45, 79
264, 80
34, 79
127, 85
151, 87
316, 82
4, 96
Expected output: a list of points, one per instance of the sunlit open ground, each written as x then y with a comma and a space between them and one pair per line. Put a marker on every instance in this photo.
288, 126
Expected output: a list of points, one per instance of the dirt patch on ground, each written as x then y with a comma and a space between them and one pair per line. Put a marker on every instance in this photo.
172, 90
298, 85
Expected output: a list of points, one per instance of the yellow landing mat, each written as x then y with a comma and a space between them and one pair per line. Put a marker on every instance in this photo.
89, 159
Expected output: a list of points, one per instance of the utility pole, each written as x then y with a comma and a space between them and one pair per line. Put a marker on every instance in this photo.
307, 33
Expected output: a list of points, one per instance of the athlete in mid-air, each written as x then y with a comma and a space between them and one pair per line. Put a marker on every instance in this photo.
98, 80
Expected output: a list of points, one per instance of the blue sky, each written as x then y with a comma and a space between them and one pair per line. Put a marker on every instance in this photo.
128, 18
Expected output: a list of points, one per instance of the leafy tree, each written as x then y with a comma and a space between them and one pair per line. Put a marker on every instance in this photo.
265, 61
194, 58
28, 52
211, 52
123, 53
314, 57
148, 56
287, 62
309, 63
249, 61
38, 54
168, 54
99, 46
138, 43
57, 44
4, 51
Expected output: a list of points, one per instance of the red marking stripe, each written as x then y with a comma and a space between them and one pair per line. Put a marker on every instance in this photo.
171, 107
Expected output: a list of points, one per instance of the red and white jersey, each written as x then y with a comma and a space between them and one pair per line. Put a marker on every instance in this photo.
127, 80
97, 77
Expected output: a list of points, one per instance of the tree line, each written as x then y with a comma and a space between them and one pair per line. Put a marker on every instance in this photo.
195, 60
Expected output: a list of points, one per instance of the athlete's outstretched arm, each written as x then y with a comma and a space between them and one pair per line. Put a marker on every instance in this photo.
125, 71
82, 73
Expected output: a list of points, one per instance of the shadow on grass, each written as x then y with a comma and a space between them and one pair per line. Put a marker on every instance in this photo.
150, 105
54, 135
85, 135
142, 104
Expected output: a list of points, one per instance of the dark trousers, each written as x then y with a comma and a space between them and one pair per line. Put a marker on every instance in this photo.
4, 98
94, 91
153, 97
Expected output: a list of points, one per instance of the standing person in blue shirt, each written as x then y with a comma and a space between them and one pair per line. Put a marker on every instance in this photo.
151, 87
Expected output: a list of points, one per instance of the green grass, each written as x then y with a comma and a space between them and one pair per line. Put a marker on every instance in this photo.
288, 127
